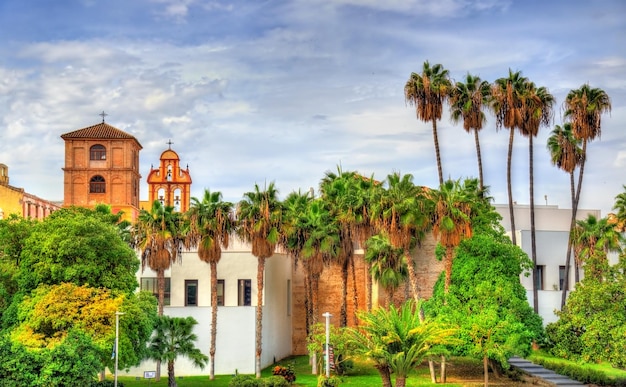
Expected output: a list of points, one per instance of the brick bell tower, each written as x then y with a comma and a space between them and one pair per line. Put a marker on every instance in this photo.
169, 183
102, 167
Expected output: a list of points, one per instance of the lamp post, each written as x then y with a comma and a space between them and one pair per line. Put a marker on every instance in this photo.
327, 354
117, 339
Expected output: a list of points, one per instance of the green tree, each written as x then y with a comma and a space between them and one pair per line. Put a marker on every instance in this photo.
428, 92
487, 302
593, 239
584, 108
260, 215
397, 339
73, 246
566, 154
174, 337
18, 366
212, 223
507, 103
387, 264
467, 101
159, 235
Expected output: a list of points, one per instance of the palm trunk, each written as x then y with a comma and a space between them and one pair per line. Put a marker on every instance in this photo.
171, 378
368, 287
343, 314
259, 314
355, 299
508, 184
443, 369
400, 381
385, 375
436, 141
213, 265
575, 208
480, 160
412, 277
533, 241
160, 302
568, 255
486, 370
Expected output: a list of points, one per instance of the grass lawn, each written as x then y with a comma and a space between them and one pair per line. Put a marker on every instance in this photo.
461, 372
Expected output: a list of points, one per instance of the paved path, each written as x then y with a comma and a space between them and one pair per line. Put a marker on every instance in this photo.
548, 376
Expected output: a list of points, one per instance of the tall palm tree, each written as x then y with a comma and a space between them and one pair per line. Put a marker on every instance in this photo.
566, 154
347, 194
536, 112
173, 337
507, 105
467, 101
387, 264
259, 215
428, 92
452, 207
212, 223
159, 234
593, 239
583, 109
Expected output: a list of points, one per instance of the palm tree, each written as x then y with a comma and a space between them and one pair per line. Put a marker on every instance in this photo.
160, 235
347, 194
260, 215
212, 223
584, 108
387, 264
428, 92
593, 239
174, 337
507, 105
452, 209
536, 111
467, 101
566, 154
620, 206
397, 339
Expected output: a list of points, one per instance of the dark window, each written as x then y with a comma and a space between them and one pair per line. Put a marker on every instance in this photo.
539, 270
244, 294
191, 292
97, 184
561, 277
150, 284
220, 292
97, 152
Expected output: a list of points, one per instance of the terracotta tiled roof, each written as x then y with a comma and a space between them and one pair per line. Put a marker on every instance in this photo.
99, 131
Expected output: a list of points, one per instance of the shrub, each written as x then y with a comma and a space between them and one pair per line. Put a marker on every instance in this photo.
286, 372
275, 381
106, 383
245, 381
323, 381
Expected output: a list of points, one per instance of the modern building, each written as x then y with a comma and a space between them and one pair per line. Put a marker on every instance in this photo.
552, 226
14, 200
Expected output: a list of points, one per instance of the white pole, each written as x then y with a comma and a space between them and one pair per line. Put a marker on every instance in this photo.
117, 339
327, 356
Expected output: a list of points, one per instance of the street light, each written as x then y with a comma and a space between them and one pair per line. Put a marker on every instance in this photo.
116, 351
327, 355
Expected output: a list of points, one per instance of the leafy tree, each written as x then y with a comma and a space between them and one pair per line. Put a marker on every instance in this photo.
591, 325
212, 223
174, 337
18, 366
260, 216
77, 247
486, 300
396, 340
467, 101
428, 92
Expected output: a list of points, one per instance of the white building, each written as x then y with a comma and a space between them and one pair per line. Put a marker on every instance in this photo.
552, 226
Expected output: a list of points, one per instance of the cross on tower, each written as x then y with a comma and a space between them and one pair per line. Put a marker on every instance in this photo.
103, 114
169, 143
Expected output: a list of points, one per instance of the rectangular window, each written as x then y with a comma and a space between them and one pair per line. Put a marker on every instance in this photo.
220, 292
561, 277
150, 284
244, 293
539, 270
191, 292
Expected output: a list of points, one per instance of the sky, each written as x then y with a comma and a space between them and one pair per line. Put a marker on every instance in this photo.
253, 92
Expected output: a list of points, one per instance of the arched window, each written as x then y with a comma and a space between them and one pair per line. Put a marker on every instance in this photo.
97, 152
97, 184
